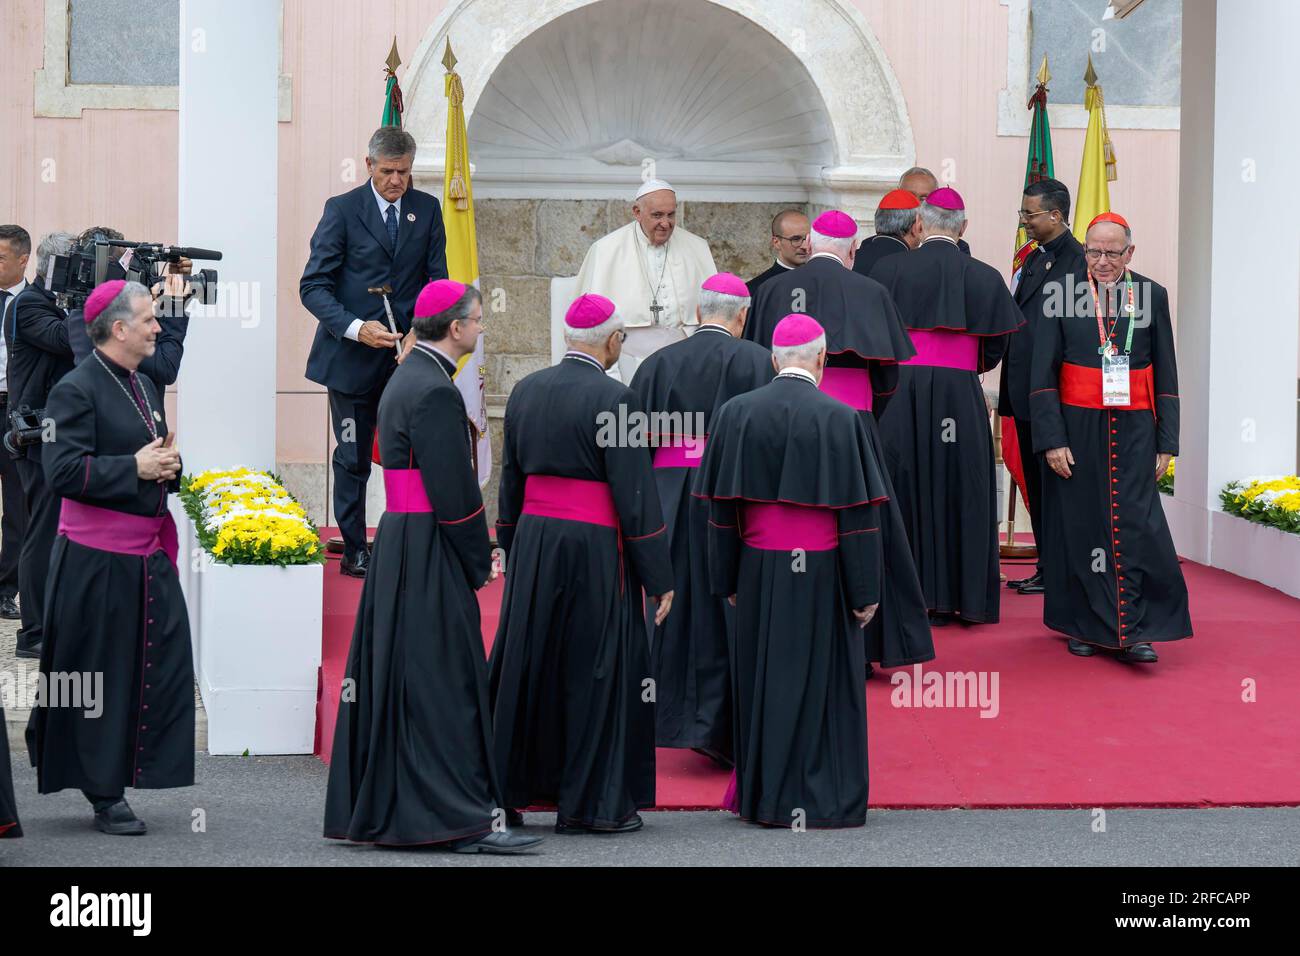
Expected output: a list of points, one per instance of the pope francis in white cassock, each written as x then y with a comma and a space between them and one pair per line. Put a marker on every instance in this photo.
652, 270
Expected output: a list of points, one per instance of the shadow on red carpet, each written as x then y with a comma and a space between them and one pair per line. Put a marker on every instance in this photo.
1067, 731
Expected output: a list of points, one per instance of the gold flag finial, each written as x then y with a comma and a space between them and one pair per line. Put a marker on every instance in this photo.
1090, 77
449, 58
394, 61
1043, 75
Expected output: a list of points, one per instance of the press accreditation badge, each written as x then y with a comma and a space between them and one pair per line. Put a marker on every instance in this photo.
1114, 380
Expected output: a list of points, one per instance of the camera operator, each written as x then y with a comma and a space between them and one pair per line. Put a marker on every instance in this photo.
39, 355
15, 247
170, 309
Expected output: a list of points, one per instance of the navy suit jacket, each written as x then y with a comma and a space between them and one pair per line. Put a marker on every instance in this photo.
351, 252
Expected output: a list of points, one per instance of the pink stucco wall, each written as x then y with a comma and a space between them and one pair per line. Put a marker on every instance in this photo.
119, 167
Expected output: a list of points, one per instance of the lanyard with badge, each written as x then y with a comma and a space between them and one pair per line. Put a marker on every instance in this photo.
1114, 367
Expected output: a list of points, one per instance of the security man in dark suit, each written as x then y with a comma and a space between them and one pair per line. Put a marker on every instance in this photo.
383, 233
36, 336
1051, 278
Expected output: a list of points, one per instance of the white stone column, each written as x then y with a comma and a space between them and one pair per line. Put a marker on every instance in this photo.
1239, 258
229, 76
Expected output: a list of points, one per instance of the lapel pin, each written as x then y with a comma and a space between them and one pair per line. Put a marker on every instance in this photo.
1049, 265
410, 217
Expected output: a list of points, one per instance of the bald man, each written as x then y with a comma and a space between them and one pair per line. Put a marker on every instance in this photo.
920, 182
791, 246
652, 269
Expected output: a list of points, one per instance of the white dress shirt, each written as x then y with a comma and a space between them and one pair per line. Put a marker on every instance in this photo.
354, 330
14, 292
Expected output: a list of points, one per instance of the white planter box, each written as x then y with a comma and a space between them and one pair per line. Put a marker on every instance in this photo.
257, 637
1256, 551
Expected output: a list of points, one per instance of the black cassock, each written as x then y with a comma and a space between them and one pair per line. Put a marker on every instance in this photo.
582, 527
688, 382
865, 342
938, 444
876, 249
795, 493
771, 272
1112, 574
115, 613
9, 826
412, 758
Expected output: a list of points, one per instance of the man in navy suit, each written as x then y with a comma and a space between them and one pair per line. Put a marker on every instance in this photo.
381, 233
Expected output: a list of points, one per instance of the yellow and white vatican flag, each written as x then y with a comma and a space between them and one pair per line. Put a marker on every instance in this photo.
1098, 171
462, 259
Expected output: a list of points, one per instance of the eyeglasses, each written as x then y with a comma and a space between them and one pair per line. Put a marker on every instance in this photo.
1026, 214
1094, 254
794, 240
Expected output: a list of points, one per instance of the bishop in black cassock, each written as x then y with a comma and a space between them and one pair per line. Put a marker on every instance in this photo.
412, 759
795, 493
938, 444
865, 341
682, 386
114, 600
579, 518
1108, 426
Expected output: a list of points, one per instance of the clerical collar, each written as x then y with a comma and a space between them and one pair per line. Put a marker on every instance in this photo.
881, 235
437, 353
1058, 243
782, 264
827, 255
644, 240
939, 239
791, 371
707, 326
584, 357
113, 366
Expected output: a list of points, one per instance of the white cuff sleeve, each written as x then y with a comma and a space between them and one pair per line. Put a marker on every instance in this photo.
354, 330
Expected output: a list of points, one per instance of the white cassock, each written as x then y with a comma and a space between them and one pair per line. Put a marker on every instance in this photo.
625, 268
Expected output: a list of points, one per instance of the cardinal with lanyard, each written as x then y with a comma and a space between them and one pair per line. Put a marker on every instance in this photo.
114, 604
1104, 398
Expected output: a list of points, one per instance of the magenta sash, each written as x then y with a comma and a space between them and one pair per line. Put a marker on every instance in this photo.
404, 491
852, 386
782, 527
106, 530
945, 349
572, 499
678, 455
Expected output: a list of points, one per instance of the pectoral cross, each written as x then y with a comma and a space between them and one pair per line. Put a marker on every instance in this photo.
655, 309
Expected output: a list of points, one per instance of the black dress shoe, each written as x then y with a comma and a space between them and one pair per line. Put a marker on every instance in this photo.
356, 568
9, 610
1035, 578
1138, 654
1080, 649
630, 825
119, 820
33, 652
497, 842
1033, 586
938, 620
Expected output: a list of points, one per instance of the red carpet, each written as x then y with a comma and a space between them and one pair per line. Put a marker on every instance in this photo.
1068, 732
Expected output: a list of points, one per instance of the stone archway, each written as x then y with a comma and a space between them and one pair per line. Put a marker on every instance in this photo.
822, 50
